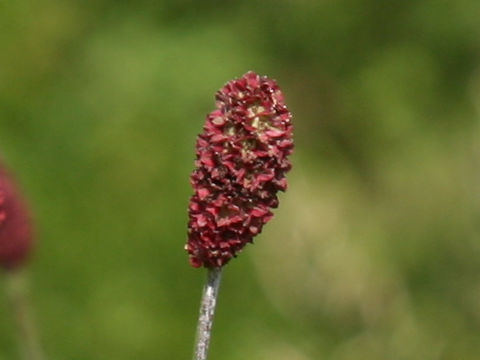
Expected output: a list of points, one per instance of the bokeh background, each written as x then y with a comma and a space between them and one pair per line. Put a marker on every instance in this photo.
374, 252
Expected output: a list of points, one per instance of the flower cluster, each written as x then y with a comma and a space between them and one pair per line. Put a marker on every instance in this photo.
242, 158
15, 226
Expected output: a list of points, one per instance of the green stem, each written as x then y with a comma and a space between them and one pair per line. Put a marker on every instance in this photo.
207, 312
17, 291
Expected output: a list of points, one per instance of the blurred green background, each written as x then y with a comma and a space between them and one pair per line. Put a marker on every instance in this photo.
374, 252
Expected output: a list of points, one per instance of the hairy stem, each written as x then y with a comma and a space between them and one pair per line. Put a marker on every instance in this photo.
17, 291
207, 311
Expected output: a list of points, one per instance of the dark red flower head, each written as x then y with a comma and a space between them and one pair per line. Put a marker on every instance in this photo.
242, 158
15, 226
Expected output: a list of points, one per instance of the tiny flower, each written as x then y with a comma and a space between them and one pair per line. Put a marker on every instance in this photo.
241, 162
15, 226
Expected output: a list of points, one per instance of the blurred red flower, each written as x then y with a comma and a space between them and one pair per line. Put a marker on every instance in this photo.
15, 225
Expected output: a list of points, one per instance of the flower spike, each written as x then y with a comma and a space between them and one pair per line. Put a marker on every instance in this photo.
241, 162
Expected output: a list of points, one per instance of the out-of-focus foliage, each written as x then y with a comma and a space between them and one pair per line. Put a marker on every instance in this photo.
374, 252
